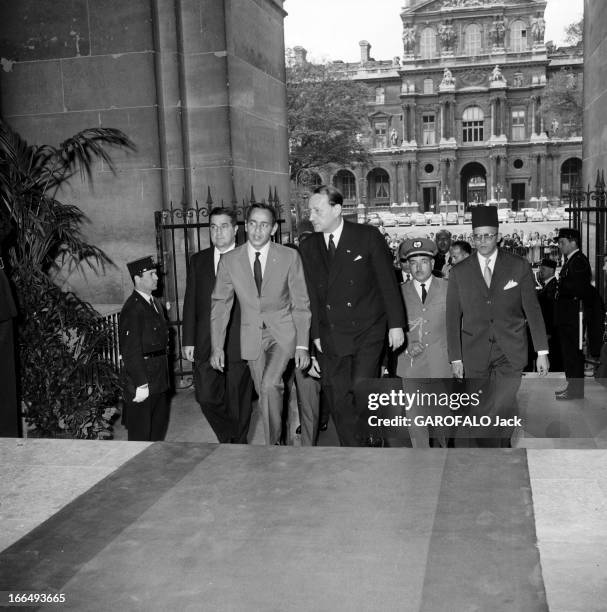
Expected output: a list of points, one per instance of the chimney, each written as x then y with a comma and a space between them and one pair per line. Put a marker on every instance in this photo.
365, 51
300, 56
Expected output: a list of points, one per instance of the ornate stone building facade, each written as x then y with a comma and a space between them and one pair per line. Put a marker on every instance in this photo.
457, 119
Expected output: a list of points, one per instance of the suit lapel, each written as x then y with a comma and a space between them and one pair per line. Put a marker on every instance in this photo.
247, 272
343, 252
479, 279
272, 264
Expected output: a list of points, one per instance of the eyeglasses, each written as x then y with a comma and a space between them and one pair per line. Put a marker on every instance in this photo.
483, 237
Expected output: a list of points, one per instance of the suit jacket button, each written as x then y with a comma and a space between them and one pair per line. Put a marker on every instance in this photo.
328, 306
349, 305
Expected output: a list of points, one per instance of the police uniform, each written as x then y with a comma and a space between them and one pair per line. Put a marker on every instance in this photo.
574, 287
144, 338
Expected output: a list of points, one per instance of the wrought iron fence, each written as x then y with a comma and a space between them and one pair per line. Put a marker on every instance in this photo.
588, 214
182, 231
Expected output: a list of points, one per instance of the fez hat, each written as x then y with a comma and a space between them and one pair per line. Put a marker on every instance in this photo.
569, 233
484, 216
139, 266
549, 263
305, 227
418, 246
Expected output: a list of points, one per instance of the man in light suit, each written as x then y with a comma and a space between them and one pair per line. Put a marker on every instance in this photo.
355, 300
490, 299
425, 298
224, 397
269, 282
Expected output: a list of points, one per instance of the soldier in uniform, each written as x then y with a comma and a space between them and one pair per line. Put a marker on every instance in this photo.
143, 345
574, 286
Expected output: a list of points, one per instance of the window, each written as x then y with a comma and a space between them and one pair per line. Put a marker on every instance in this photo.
380, 95
518, 37
472, 124
428, 86
346, 183
518, 124
428, 129
382, 186
427, 44
571, 173
473, 40
381, 140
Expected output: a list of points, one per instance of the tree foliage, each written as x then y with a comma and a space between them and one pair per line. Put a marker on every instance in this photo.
66, 383
574, 33
562, 103
327, 116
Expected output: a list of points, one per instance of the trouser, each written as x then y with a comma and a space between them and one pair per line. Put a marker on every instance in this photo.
573, 358
267, 372
340, 375
147, 421
225, 399
503, 382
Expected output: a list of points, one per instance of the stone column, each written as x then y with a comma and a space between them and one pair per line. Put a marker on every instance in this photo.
542, 190
533, 131
405, 138
396, 196
414, 180
443, 176
491, 178
406, 173
411, 129
493, 118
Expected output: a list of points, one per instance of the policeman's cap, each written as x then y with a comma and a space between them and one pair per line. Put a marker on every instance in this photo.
569, 233
139, 266
418, 246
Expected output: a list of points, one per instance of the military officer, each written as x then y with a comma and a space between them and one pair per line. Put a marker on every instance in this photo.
144, 336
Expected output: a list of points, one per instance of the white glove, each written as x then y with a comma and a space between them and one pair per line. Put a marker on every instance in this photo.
141, 394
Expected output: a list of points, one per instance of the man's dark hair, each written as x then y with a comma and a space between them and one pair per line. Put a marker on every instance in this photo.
463, 245
332, 193
222, 210
261, 206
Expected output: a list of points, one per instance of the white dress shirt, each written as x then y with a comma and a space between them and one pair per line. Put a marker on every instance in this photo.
263, 257
336, 235
217, 255
418, 286
484, 260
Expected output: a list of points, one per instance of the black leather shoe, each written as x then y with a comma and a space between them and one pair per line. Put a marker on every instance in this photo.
298, 430
568, 395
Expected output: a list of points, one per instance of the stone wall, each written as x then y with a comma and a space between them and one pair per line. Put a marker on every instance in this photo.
198, 85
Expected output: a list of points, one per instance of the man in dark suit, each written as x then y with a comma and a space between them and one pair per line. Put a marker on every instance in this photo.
144, 337
490, 299
443, 246
225, 398
268, 280
547, 298
574, 287
354, 299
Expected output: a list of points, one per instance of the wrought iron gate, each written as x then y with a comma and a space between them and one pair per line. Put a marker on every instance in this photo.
181, 232
588, 214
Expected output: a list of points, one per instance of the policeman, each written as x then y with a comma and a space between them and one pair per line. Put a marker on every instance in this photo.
144, 336
574, 287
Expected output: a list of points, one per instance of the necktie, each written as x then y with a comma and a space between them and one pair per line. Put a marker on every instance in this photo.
153, 305
332, 248
257, 272
424, 293
487, 273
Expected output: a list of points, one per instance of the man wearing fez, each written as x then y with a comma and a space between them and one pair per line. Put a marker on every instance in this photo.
225, 398
354, 299
547, 298
574, 287
144, 336
268, 280
490, 299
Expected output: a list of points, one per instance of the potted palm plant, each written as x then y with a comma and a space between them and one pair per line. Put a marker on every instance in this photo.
66, 385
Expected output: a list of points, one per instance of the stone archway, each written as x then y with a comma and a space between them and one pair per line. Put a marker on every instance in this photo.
473, 178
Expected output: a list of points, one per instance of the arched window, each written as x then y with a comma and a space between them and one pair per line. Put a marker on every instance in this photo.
473, 40
344, 181
427, 44
571, 174
518, 36
472, 125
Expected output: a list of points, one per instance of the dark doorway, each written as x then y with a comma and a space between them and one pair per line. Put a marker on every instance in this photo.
517, 194
429, 199
474, 184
